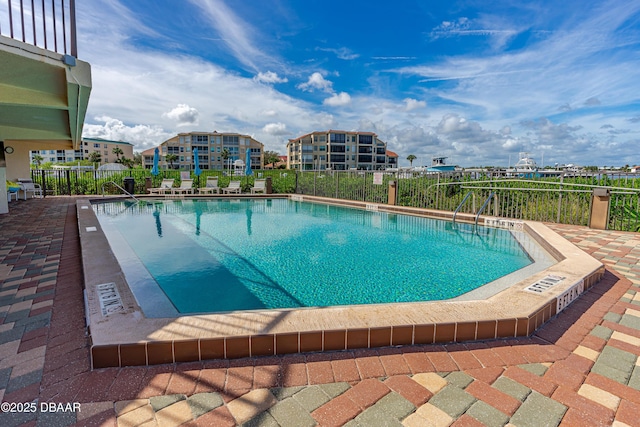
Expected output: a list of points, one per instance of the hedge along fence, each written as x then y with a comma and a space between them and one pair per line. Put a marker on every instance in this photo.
80, 182
558, 199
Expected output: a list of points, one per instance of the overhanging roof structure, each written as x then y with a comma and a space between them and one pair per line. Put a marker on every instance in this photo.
43, 94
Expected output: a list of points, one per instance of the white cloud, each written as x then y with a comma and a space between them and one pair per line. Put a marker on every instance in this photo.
316, 82
338, 100
183, 114
413, 104
270, 77
276, 129
141, 136
239, 35
341, 53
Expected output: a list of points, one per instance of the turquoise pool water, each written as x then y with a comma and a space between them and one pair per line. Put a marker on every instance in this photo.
244, 254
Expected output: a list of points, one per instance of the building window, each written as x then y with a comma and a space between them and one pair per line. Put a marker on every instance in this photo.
338, 138
106, 146
230, 140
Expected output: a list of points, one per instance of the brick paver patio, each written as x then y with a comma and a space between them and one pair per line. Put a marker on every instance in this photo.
581, 369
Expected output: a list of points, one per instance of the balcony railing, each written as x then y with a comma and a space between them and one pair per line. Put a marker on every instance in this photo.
49, 24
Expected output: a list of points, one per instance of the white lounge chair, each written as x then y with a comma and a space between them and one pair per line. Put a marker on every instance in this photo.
259, 186
165, 187
234, 187
186, 186
28, 186
211, 186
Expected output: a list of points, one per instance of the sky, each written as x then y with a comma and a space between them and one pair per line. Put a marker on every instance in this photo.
473, 80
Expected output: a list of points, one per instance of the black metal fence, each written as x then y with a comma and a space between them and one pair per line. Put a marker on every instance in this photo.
565, 200
50, 24
561, 199
87, 182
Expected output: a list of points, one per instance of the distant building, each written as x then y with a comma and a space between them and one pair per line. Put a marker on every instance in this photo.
211, 146
339, 150
88, 145
392, 159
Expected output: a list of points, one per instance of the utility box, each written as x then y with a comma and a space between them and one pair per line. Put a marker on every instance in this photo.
268, 185
600, 201
393, 193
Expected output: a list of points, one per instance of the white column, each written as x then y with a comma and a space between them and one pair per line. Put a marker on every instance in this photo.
4, 201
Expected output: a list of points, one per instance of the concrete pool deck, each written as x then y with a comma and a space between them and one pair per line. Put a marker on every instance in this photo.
580, 368
123, 336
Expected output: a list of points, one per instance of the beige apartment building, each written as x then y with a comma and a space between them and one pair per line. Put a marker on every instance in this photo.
211, 147
104, 147
339, 150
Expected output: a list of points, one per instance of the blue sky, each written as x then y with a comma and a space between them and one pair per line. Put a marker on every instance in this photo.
476, 81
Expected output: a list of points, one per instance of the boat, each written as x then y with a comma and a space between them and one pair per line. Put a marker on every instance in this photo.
438, 165
525, 168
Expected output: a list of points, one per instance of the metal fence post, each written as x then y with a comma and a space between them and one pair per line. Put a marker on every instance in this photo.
560, 198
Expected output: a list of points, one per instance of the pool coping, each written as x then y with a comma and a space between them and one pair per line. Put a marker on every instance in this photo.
122, 336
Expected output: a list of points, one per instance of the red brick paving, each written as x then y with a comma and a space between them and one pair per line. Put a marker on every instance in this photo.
594, 412
494, 397
488, 375
409, 389
562, 373
370, 367
530, 380
336, 412
418, 362
367, 392
467, 421
66, 374
628, 412
320, 372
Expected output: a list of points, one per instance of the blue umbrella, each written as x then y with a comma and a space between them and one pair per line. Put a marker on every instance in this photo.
248, 170
156, 155
196, 169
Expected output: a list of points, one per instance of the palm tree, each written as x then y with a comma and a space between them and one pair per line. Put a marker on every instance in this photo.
95, 157
171, 158
127, 162
271, 158
117, 151
37, 159
411, 158
225, 155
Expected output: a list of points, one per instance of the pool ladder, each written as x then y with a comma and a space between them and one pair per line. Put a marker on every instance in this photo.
484, 205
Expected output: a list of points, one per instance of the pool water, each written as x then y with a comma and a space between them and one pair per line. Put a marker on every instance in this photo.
222, 255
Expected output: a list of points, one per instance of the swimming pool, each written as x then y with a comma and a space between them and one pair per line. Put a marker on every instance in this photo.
225, 255
146, 329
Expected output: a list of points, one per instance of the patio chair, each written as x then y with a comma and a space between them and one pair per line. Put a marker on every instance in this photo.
234, 187
259, 186
28, 186
12, 195
165, 187
186, 186
211, 186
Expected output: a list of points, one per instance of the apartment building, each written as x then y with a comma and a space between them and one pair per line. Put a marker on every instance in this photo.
211, 148
104, 147
339, 150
